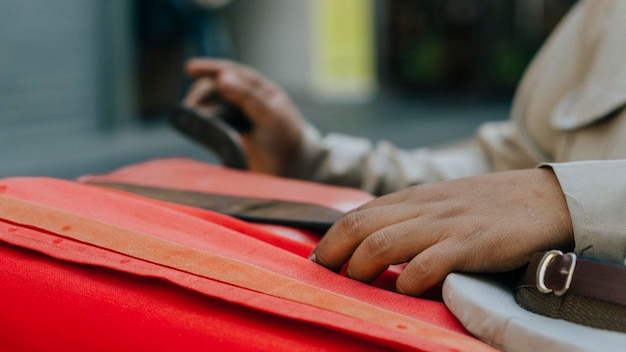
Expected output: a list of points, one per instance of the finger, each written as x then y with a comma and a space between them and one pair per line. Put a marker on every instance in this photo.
233, 79
253, 82
198, 67
419, 194
394, 244
238, 86
249, 91
429, 268
343, 238
200, 90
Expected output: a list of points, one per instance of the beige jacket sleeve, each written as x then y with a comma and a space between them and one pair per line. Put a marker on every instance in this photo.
382, 168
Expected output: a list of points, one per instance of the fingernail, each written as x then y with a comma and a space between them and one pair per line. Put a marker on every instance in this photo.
313, 256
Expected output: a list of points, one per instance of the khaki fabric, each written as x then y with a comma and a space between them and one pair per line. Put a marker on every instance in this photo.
567, 114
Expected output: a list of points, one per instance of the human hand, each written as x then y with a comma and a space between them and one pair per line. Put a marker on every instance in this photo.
487, 223
274, 142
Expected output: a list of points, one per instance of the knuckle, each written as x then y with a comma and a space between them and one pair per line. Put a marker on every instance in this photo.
225, 82
274, 98
351, 223
377, 244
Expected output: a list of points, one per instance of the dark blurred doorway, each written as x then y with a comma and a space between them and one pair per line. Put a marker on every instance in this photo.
476, 47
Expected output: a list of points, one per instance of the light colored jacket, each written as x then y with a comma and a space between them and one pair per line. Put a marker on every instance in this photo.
568, 114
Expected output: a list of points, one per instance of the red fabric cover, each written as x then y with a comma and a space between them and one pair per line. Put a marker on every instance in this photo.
89, 294
192, 175
53, 305
188, 174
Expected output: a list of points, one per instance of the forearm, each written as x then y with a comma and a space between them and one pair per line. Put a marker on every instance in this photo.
382, 168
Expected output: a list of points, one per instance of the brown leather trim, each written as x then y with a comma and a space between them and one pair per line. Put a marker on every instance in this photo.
304, 216
591, 278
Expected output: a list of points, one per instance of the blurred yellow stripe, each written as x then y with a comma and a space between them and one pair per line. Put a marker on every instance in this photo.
343, 48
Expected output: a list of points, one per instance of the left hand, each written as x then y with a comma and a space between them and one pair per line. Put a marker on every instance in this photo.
489, 223
275, 141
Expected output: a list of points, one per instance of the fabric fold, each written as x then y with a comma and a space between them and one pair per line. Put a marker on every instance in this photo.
193, 251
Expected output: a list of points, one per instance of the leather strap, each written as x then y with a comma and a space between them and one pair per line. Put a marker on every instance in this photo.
216, 129
268, 211
590, 278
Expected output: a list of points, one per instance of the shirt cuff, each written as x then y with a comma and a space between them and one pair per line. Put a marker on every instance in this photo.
595, 192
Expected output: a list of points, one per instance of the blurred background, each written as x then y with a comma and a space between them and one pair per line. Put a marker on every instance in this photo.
86, 85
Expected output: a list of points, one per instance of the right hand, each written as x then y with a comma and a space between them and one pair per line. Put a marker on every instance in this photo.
275, 141
486, 223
